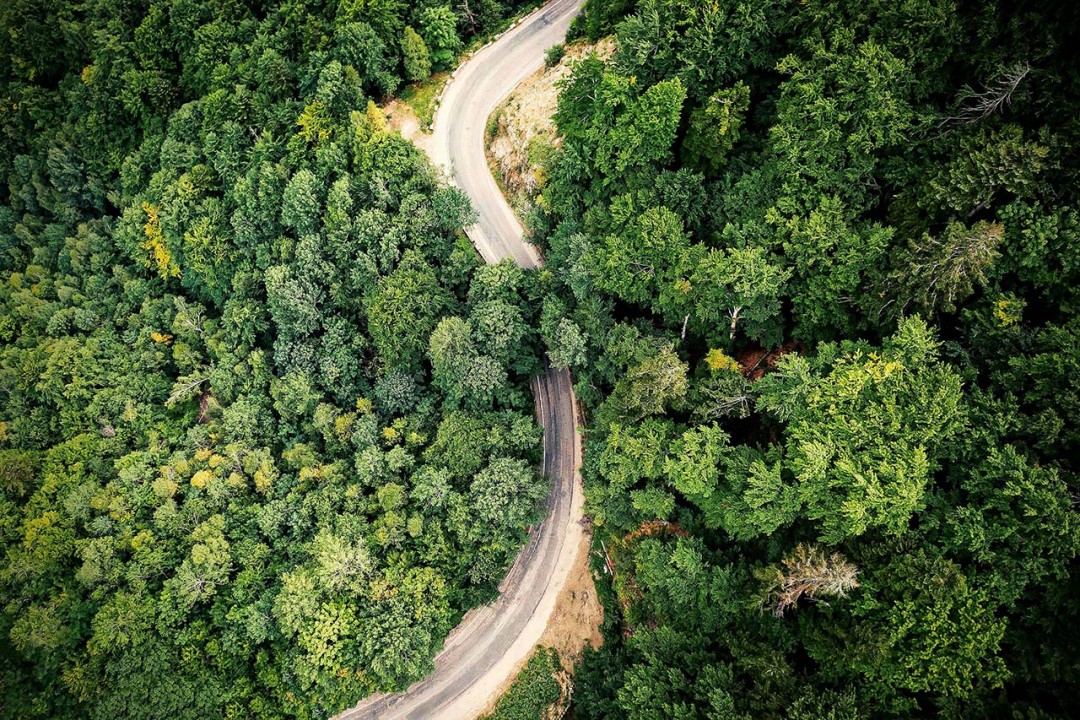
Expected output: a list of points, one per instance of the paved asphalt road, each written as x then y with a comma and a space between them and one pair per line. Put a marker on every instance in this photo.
484, 651
476, 90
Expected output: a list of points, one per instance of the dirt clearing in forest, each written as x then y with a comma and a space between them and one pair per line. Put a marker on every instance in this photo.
402, 118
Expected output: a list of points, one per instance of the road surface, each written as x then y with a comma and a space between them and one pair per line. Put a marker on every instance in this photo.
477, 88
485, 650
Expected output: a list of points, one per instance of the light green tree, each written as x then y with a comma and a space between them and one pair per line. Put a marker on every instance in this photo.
715, 128
865, 428
415, 56
438, 27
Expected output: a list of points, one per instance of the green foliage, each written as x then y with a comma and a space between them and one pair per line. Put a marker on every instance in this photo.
358, 45
985, 164
229, 482
738, 290
438, 28
1014, 518
924, 628
647, 389
554, 55
535, 691
645, 133
653, 689
505, 494
415, 56
403, 310
566, 341
460, 369
715, 128
257, 393
940, 272
865, 428
644, 261
750, 203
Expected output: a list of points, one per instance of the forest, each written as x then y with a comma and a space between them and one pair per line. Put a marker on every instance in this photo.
265, 423
817, 267
266, 431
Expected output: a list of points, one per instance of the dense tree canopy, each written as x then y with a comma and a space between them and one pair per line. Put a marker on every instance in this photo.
818, 266
265, 432
233, 480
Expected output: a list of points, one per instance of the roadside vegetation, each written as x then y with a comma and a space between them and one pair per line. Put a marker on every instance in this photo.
522, 140
539, 692
818, 268
421, 98
265, 429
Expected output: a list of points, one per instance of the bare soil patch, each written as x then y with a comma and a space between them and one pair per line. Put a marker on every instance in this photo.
578, 615
402, 118
574, 625
522, 138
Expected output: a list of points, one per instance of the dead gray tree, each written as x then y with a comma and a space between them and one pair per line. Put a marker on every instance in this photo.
808, 572
994, 96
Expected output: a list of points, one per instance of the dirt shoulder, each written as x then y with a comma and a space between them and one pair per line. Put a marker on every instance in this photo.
574, 624
575, 621
578, 615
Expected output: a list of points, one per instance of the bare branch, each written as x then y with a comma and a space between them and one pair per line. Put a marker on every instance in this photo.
183, 389
808, 572
977, 106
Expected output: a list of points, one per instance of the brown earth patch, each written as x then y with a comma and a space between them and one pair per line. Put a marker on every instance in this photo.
575, 622
402, 119
522, 138
573, 626
754, 363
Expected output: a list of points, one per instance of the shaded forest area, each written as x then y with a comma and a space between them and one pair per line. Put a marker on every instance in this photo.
818, 267
265, 426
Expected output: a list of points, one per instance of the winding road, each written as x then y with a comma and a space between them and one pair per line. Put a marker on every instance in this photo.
487, 648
